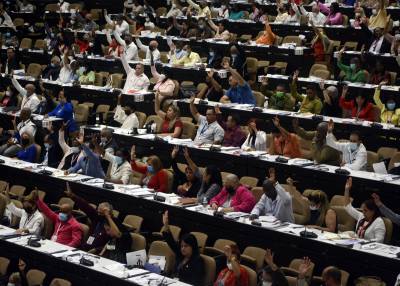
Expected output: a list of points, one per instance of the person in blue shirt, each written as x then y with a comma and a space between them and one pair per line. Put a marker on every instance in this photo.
65, 110
29, 151
239, 91
89, 164
236, 13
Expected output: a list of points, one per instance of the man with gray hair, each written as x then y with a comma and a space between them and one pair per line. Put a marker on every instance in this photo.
330, 106
30, 100
52, 71
234, 197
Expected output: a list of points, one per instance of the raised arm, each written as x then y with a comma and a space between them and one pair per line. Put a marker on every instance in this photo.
157, 109
193, 110
277, 124
191, 163
235, 74
140, 45
107, 18
213, 26
18, 87
125, 64
119, 39
108, 36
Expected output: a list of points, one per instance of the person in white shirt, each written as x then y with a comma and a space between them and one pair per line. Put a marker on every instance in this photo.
31, 219
126, 116
223, 12
120, 170
5, 19
121, 26
151, 48
256, 140
25, 6
136, 80
64, 6
370, 225
220, 32
175, 11
134, 6
71, 153
130, 49
354, 153
315, 16
148, 24
68, 68
30, 99
293, 15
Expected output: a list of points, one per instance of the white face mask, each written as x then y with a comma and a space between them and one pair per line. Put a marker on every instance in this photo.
75, 150
10, 284
229, 265
374, 12
313, 208
265, 283
353, 147
8, 93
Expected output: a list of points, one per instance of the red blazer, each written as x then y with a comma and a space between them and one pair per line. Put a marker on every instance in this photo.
158, 182
367, 113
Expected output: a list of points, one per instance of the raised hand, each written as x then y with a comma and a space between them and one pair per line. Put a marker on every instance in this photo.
269, 257
272, 174
217, 109
349, 184
331, 125
165, 218
275, 120
377, 199
68, 191
174, 152
304, 267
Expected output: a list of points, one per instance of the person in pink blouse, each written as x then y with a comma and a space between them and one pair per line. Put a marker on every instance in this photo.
234, 197
164, 85
67, 229
334, 17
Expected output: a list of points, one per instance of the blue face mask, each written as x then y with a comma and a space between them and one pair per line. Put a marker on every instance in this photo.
62, 217
353, 146
119, 160
391, 106
47, 145
53, 65
150, 169
212, 54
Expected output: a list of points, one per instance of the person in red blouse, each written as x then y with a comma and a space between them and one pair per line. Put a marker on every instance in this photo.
83, 44
171, 124
359, 108
284, 143
10, 97
155, 177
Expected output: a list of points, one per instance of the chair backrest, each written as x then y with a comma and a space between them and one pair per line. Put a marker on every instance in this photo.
18, 22
251, 64
257, 253
17, 190
221, 243
301, 210
386, 152
34, 70
103, 108
35, 277
376, 111
323, 74
249, 181
3, 204
48, 228
345, 20
188, 130
141, 116
134, 222
252, 275
4, 186
257, 193
372, 158
394, 159
81, 113
138, 242
4, 262
85, 232
344, 221
52, 7
292, 39
98, 79
260, 98
60, 282
351, 46
315, 67
209, 268
164, 57
338, 200
161, 11
116, 80
40, 44
161, 248
170, 177
186, 118
224, 175
157, 119
389, 230
201, 238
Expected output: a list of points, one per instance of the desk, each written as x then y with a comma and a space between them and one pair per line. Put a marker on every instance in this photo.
286, 245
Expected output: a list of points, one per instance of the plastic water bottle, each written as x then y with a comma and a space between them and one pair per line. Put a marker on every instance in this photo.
153, 128
205, 202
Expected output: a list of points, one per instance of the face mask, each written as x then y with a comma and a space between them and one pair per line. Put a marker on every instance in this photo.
47, 145
353, 147
62, 217
147, 20
229, 265
280, 94
25, 141
82, 69
8, 34
10, 284
201, 26
315, 13
72, 22
313, 208
119, 160
211, 54
230, 190
150, 169
53, 65
8, 93
75, 150
353, 66
103, 140
391, 106
173, 6
183, 53
374, 12
28, 210
265, 283
234, 56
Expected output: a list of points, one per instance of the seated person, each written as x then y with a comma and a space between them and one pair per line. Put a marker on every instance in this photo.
278, 99
29, 97
28, 152
52, 150
213, 90
320, 151
233, 274
98, 237
275, 201
129, 48
151, 49
65, 110
115, 49
209, 131
390, 111
283, 143
68, 71
120, 169
379, 74
334, 17
359, 107
235, 13
164, 86
268, 37
187, 184
322, 217
67, 229
126, 116
233, 136
353, 72
239, 91
190, 59
190, 265
171, 125
330, 105
89, 164
52, 71
221, 33
214, 58
311, 102
233, 197
71, 153
31, 220
136, 80
354, 153
25, 6
271, 273
395, 218
10, 98
86, 75
256, 139
370, 225
155, 177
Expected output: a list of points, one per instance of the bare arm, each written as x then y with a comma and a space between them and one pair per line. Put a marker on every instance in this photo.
193, 110
157, 109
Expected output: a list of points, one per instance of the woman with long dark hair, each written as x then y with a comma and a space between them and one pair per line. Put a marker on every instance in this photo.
359, 107
256, 140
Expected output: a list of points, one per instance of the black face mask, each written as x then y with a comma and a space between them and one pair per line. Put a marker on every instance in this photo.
272, 194
29, 210
230, 190
24, 141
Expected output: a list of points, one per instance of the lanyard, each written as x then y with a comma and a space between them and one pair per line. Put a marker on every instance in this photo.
204, 129
28, 219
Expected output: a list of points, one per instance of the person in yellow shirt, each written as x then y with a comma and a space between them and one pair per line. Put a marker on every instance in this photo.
311, 102
379, 17
190, 59
202, 8
390, 112
268, 37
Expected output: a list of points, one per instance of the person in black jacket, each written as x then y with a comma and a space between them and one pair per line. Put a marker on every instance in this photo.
238, 59
11, 63
10, 97
375, 41
52, 71
214, 58
186, 184
52, 150
271, 274
190, 265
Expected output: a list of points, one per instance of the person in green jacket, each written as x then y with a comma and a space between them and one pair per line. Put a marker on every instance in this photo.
279, 99
309, 103
353, 72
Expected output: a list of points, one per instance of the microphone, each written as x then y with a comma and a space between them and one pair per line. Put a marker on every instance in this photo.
33, 242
